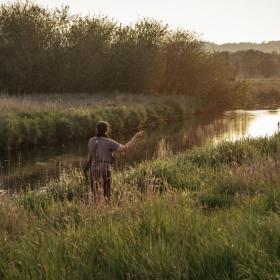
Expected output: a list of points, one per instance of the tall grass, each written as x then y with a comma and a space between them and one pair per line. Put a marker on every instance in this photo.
48, 119
160, 237
69, 102
212, 213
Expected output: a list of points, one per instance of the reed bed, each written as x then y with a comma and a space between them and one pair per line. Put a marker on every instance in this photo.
211, 213
47, 119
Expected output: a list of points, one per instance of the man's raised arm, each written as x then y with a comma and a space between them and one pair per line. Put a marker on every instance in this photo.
131, 143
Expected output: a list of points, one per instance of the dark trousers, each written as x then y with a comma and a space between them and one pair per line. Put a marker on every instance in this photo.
101, 177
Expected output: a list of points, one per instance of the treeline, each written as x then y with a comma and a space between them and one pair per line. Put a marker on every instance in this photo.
45, 50
254, 64
267, 47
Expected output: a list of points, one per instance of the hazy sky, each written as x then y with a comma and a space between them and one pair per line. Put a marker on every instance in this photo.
216, 20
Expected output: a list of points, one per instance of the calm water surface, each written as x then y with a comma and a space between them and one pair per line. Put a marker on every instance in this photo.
34, 166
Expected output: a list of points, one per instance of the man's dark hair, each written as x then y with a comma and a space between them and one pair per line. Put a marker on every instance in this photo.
102, 128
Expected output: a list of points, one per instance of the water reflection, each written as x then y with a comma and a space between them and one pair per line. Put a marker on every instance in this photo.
251, 124
37, 165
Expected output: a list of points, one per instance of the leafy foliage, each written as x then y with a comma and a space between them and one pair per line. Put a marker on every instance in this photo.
52, 51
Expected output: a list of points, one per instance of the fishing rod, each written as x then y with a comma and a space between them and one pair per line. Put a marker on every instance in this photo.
151, 124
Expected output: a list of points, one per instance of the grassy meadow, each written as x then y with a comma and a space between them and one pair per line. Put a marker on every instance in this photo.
207, 213
210, 213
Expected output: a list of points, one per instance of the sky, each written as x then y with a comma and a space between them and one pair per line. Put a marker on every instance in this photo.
218, 21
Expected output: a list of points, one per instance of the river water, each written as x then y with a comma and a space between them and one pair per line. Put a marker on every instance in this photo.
33, 167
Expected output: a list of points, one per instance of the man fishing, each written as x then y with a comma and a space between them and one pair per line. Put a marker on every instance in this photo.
100, 156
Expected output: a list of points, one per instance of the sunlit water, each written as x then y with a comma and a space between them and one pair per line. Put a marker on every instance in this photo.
34, 166
252, 124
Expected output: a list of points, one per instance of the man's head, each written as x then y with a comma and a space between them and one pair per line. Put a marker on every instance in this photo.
102, 128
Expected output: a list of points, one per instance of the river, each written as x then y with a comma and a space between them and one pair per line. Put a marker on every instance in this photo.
33, 167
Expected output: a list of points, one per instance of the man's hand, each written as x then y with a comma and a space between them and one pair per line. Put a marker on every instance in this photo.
131, 143
139, 134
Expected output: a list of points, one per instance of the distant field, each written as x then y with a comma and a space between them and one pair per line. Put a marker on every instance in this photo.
269, 83
71, 102
264, 92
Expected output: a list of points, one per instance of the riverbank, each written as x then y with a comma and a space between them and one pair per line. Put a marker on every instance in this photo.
47, 119
156, 224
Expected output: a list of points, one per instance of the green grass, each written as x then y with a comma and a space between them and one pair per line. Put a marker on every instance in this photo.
42, 119
159, 237
211, 213
46, 119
